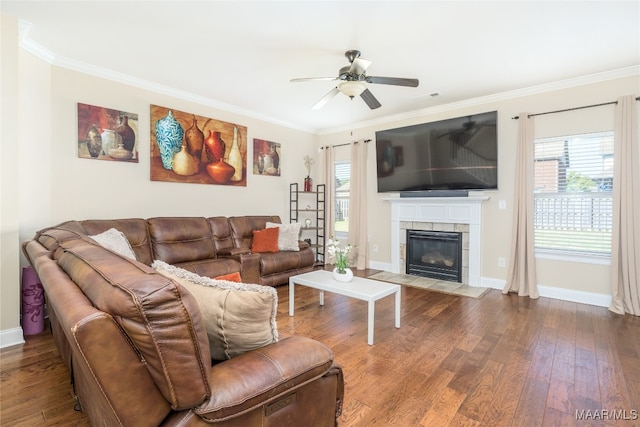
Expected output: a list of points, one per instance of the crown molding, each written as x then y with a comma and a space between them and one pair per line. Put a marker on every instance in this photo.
502, 96
46, 55
53, 59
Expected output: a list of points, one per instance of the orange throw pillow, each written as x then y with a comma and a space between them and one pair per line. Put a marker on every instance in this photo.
265, 240
231, 277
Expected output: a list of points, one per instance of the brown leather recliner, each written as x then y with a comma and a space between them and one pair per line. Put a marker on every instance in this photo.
137, 347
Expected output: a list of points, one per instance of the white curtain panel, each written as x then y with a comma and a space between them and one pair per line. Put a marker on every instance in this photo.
358, 202
625, 242
521, 277
328, 177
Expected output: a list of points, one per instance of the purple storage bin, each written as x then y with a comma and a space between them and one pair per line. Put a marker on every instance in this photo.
32, 303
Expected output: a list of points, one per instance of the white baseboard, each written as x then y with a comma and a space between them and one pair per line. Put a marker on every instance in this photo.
492, 283
384, 266
11, 337
591, 298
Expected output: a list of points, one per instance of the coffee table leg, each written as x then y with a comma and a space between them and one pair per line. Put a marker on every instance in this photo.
291, 298
321, 297
398, 309
371, 314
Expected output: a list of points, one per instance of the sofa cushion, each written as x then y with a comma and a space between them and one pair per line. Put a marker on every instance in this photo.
265, 240
285, 261
116, 241
239, 317
221, 232
288, 236
134, 228
181, 239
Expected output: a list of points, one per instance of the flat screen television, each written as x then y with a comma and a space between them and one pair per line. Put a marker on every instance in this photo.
453, 155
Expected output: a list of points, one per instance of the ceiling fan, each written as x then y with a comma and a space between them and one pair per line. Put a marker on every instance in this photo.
353, 81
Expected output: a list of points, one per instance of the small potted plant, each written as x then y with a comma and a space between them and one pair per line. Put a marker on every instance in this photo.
340, 255
308, 183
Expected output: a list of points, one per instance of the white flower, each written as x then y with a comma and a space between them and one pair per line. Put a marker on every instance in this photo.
340, 254
308, 161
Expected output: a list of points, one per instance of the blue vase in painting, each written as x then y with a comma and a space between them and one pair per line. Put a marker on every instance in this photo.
169, 136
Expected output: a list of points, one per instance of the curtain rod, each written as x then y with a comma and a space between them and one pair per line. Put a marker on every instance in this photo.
366, 141
571, 109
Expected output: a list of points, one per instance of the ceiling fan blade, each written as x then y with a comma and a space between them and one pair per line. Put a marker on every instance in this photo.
371, 100
333, 92
308, 79
396, 81
359, 66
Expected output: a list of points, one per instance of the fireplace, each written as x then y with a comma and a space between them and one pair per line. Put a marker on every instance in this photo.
454, 214
434, 254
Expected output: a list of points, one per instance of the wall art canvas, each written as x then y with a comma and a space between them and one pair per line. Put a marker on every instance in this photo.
189, 148
266, 157
107, 134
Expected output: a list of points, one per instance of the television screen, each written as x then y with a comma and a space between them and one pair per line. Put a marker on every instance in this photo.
452, 154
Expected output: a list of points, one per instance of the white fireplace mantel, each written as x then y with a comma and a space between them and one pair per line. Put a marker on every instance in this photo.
454, 210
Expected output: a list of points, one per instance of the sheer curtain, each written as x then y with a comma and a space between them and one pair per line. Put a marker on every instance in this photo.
521, 277
328, 160
625, 242
358, 202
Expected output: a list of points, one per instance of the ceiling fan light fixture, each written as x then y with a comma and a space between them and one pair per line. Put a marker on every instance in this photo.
352, 88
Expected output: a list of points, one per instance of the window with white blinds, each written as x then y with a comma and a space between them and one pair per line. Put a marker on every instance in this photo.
573, 199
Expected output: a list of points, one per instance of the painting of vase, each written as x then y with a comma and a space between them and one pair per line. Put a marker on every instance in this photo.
107, 134
266, 157
190, 148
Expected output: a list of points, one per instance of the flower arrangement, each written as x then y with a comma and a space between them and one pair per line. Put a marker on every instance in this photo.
339, 254
308, 183
308, 162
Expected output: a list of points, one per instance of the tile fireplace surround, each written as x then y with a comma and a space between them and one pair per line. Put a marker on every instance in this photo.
463, 214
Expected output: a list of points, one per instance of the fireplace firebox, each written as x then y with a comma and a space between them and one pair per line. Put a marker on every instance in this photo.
434, 254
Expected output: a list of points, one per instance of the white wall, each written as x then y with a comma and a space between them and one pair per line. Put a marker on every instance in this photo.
570, 278
10, 332
86, 188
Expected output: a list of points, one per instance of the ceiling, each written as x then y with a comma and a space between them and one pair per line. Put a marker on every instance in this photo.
240, 55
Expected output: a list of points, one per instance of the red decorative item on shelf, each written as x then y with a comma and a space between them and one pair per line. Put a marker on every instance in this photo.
308, 184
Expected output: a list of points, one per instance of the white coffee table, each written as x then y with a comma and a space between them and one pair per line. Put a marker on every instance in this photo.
360, 288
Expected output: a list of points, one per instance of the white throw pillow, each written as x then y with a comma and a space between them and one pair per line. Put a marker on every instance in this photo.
288, 236
116, 241
239, 317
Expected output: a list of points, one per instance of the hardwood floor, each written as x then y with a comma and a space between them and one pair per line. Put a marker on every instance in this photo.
455, 361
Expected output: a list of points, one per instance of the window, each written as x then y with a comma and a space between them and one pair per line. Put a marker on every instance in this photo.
342, 174
573, 200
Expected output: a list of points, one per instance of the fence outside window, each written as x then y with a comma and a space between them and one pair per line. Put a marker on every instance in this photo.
579, 222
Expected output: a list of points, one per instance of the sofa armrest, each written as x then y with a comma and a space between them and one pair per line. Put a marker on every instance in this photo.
264, 375
233, 252
249, 263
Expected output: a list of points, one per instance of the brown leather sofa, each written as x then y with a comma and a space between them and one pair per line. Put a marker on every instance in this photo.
135, 341
207, 246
